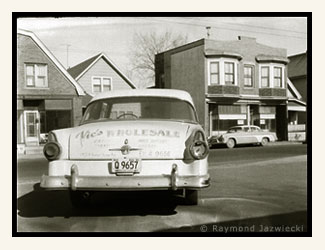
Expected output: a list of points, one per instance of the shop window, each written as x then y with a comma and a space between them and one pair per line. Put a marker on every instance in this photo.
267, 124
36, 75
43, 122
57, 119
222, 125
101, 84
248, 76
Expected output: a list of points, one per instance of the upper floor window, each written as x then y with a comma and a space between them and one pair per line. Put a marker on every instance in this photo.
248, 76
214, 72
265, 75
229, 73
222, 71
101, 84
277, 77
36, 75
272, 75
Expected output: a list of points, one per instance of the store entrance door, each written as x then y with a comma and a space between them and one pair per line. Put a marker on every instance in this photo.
31, 119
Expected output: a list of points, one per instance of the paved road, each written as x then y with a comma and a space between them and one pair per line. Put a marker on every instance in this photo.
252, 189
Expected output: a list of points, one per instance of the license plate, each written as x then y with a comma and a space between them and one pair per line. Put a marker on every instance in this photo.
126, 166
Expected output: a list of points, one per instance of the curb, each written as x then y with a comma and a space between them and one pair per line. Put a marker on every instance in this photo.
280, 143
30, 156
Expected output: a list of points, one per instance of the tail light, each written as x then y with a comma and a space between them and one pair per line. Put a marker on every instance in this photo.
199, 148
52, 149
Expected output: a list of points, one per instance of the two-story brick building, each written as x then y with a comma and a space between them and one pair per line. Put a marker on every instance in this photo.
47, 96
231, 82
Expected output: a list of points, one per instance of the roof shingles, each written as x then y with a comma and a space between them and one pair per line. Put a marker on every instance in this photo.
79, 68
297, 65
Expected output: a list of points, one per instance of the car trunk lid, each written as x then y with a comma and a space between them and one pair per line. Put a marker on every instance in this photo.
132, 139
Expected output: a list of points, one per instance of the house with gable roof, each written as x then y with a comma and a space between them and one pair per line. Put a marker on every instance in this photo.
297, 103
48, 97
99, 74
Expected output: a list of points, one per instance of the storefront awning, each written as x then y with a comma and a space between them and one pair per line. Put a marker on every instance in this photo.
296, 105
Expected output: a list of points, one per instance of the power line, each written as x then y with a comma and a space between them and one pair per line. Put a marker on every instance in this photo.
216, 27
261, 27
249, 25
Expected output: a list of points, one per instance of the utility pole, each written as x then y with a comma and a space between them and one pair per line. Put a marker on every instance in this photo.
208, 31
68, 45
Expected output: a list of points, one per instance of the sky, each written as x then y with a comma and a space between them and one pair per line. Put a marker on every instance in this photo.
87, 36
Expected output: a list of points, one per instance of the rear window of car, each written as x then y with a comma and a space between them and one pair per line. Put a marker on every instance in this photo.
255, 129
235, 129
132, 108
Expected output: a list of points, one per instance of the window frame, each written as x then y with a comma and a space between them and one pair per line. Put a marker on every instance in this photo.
221, 62
231, 74
218, 73
36, 76
276, 77
101, 83
265, 77
252, 67
271, 76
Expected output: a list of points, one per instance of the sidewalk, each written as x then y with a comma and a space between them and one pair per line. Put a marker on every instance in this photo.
278, 143
32, 152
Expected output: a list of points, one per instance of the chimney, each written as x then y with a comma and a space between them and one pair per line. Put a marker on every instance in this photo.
246, 38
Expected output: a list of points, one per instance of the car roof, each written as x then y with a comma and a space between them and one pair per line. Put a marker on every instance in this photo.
244, 126
171, 93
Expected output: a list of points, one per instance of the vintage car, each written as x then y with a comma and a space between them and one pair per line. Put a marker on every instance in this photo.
248, 134
128, 141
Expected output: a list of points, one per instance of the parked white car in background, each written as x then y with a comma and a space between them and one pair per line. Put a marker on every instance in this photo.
243, 135
130, 140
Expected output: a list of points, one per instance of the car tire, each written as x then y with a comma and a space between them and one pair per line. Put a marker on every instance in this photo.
80, 199
231, 143
264, 141
191, 197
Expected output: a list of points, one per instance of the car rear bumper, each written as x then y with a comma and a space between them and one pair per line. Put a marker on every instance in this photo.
171, 181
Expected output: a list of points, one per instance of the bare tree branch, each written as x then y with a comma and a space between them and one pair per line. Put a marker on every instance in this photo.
144, 49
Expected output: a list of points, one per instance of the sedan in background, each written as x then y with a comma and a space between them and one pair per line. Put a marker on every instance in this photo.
243, 135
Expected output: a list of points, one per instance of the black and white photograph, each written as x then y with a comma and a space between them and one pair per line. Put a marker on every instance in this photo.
162, 123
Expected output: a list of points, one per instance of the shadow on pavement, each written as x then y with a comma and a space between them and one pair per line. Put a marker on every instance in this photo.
40, 203
295, 222
215, 146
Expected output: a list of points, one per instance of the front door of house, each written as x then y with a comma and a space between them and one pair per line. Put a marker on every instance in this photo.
31, 127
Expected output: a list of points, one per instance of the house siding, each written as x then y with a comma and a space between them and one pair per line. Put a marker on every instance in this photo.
103, 69
29, 52
57, 106
187, 68
188, 73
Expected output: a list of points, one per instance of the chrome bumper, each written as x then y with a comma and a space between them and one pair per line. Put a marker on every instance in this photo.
134, 182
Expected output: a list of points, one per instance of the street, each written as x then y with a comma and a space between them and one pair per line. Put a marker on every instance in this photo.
253, 188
